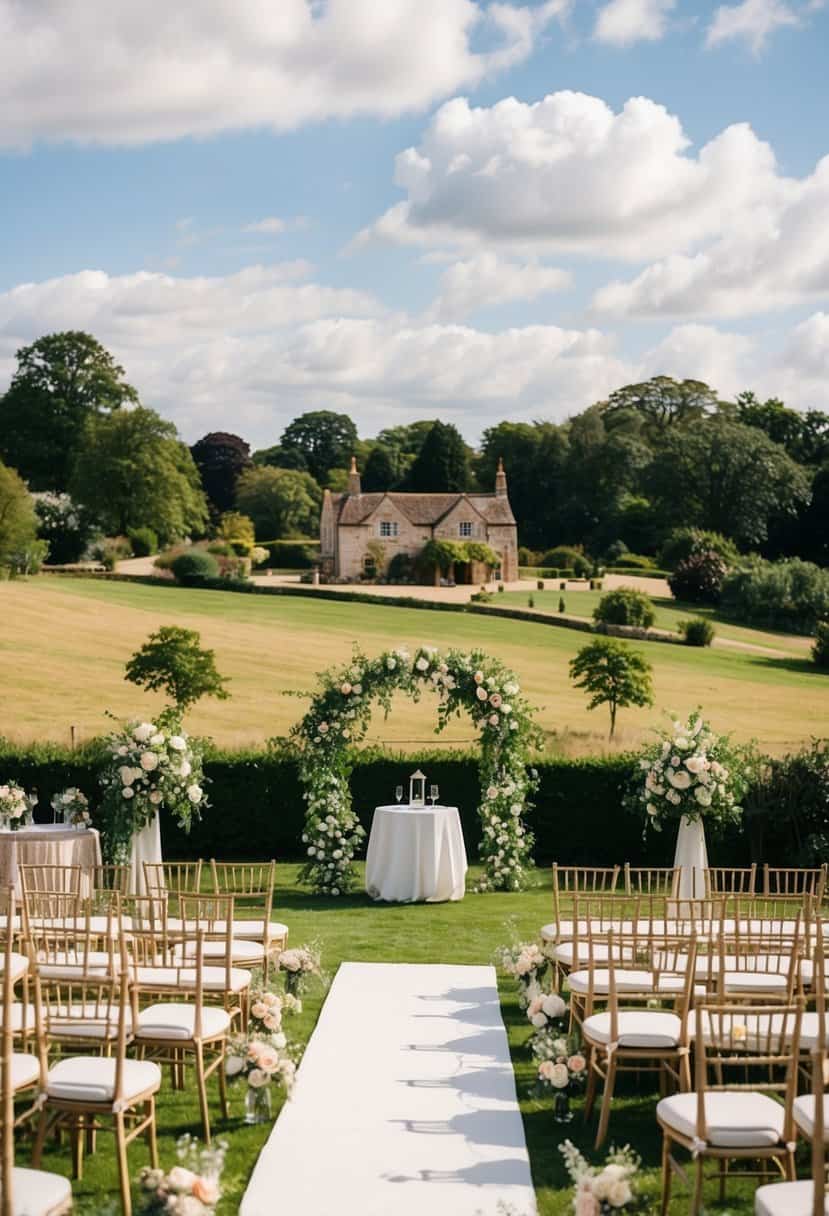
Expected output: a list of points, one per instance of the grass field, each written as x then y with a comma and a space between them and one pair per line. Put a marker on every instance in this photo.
64, 643
353, 928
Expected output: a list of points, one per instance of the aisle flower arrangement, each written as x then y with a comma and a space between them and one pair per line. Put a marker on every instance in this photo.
339, 716
691, 773
191, 1188
300, 965
600, 1190
15, 805
260, 1062
529, 965
267, 1009
72, 806
151, 765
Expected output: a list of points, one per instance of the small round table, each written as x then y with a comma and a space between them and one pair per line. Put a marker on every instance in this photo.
49, 844
416, 854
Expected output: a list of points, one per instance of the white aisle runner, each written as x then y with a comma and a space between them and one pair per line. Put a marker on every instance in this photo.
404, 1105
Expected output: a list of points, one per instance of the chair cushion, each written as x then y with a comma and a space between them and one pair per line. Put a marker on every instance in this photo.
19, 966
240, 951
757, 1022
637, 1028
626, 981
25, 1069
85, 1022
804, 1115
22, 1015
92, 1078
38, 1193
755, 981
735, 1120
71, 965
786, 1199
214, 979
178, 1021
254, 930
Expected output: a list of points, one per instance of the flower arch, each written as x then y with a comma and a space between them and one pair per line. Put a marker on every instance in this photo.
339, 716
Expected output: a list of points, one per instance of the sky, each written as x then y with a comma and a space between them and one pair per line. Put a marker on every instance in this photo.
407, 209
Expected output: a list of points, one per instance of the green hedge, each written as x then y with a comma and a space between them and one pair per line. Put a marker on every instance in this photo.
294, 554
637, 571
257, 807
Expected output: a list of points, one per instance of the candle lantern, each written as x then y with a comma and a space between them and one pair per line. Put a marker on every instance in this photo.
417, 789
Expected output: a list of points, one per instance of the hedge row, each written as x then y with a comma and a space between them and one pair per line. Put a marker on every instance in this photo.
257, 807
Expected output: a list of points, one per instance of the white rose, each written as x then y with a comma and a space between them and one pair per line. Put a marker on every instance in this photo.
177, 743
619, 1194
143, 731
702, 795
358, 688
345, 688
539, 1021
181, 1179
554, 1006
494, 719
492, 793
194, 793
185, 768
478, 677
506, 709
157, 738
323, 728
481, 693
651, 809
127, 791
149, 761
422, 664
155, 797
257, 1078
696, 764
125, 773
391, 663
680, 780
495, 699
559, 1076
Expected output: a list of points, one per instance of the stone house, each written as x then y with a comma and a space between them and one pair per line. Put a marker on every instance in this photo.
361, 533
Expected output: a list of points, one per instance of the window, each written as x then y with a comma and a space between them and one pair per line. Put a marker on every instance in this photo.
388, 528
465, 528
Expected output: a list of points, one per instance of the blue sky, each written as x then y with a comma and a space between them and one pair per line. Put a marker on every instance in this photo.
224, 196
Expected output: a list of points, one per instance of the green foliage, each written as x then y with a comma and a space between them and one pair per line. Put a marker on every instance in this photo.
788, 808
624, 606
67, 527
791, 595
400, 569
221, 458
292, 554
697, 631
663, 403
325, 440
614, 675
173, 660
567, 557
615, 551
193, 566
233, 525
381, 470
805, 436
562, 607
484, 597
528, 557
144, 541
132, 471
62, 380
18, 519
820, 650
112, 549
446, 553
442, 465
281, 502
636, 561
687, 542
699, 579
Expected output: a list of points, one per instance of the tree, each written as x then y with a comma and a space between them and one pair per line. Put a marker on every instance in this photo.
18, 520
662, 403
62, 380
326, 440
67, 527
804, 436
614, 675
173, 660
442, 465
281, 502
725, 477
281, 458
132, 471
221, 458
381, 470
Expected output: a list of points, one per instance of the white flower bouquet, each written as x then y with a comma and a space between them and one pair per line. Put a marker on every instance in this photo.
192, 1188
72, 806
600, 1190
15, 806
151, 765
267, 1009
691, 773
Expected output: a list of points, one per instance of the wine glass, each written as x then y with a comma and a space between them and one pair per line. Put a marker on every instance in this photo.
398, 793
434, 793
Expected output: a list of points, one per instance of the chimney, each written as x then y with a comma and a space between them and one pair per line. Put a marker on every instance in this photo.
354, 479
501, 479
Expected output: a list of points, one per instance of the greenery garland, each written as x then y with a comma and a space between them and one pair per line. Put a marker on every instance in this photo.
339, 717
152, 765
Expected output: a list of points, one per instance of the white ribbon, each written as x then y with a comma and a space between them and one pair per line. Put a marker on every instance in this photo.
698, 1146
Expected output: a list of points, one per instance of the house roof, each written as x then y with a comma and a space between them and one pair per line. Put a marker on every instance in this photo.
419, 509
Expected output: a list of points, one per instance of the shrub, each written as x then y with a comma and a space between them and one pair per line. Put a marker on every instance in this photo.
539, 586
144, 541
501, 587
697, 631
685, 542
624, 606
562, 607
792, 595
820, 650
111, 549
219, 548
67, 526
635, 561
699, 579
241, 548
527, 557
531, 601
233, 525
400, 569
569, 558
482, 597
614, 551
194, 566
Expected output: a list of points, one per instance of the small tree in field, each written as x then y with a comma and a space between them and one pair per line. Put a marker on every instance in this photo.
614, 675
173, 660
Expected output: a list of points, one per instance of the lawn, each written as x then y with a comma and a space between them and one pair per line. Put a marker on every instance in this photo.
353, 928
64, 643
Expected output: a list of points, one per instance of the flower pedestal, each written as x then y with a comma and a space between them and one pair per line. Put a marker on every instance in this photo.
692, 858
561, 1108
258, 1104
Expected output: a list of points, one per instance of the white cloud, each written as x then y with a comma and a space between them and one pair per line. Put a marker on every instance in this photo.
568, 174
623, 22
271, 225
701, 352
486, 280
752, 21
114, 73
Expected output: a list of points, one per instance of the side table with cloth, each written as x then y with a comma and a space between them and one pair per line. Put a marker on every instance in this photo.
416, 854
49, 844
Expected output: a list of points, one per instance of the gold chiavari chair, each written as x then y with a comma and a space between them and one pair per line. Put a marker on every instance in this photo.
169, 1032
28, 1067
72, 938
758, 967
214, 916
172, 878
252, 886
651, 880
637, 1036
568, 883
806, 1198
64, 879
730, 880
729, 1117
111, 878
597, 915
83, 1090
795, 880
22, 1191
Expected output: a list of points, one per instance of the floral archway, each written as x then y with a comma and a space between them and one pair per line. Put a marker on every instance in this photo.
339, 716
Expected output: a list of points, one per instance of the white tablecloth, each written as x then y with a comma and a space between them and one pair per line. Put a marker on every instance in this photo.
146, 846
415, 854
52, 844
